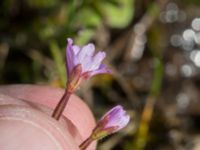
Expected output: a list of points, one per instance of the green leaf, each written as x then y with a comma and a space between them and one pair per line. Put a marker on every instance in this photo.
88, 18
41, 3
118, 16
84, 36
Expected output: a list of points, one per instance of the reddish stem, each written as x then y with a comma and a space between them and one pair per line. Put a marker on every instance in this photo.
86, 143
61, 105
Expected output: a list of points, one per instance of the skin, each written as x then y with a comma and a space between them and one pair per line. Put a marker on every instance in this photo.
25, 121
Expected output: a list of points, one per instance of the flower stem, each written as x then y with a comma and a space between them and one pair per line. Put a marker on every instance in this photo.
61, 105
86, 143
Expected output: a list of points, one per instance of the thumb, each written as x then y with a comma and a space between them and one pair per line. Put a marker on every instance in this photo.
22, 127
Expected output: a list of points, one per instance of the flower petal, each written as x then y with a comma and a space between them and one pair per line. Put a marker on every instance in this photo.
85, 55
118, 118
114, 111
69, 56
111, 122
97, 59
91, 64
87, 50
102, 69
76, 49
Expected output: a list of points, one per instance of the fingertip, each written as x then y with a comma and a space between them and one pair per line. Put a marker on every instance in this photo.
76, 111
24, 128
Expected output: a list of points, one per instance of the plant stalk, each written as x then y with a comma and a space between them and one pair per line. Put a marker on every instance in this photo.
61, 105
86, 143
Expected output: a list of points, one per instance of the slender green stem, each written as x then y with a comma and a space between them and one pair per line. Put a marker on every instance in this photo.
86, 143
61, 105
147, 113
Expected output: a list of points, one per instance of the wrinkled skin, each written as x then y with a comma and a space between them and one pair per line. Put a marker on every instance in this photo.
25, 121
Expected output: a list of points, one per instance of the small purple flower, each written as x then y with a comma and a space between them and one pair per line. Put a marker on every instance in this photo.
83, 63
113, 121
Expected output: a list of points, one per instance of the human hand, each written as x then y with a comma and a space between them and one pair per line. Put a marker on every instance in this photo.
25, 121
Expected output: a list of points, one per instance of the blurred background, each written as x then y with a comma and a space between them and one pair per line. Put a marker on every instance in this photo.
153, 48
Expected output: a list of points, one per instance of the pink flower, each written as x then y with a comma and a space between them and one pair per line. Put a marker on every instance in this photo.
83, 63
113, 121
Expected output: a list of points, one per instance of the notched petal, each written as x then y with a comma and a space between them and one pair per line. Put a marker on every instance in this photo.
69, 56
76, 49
101, 70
